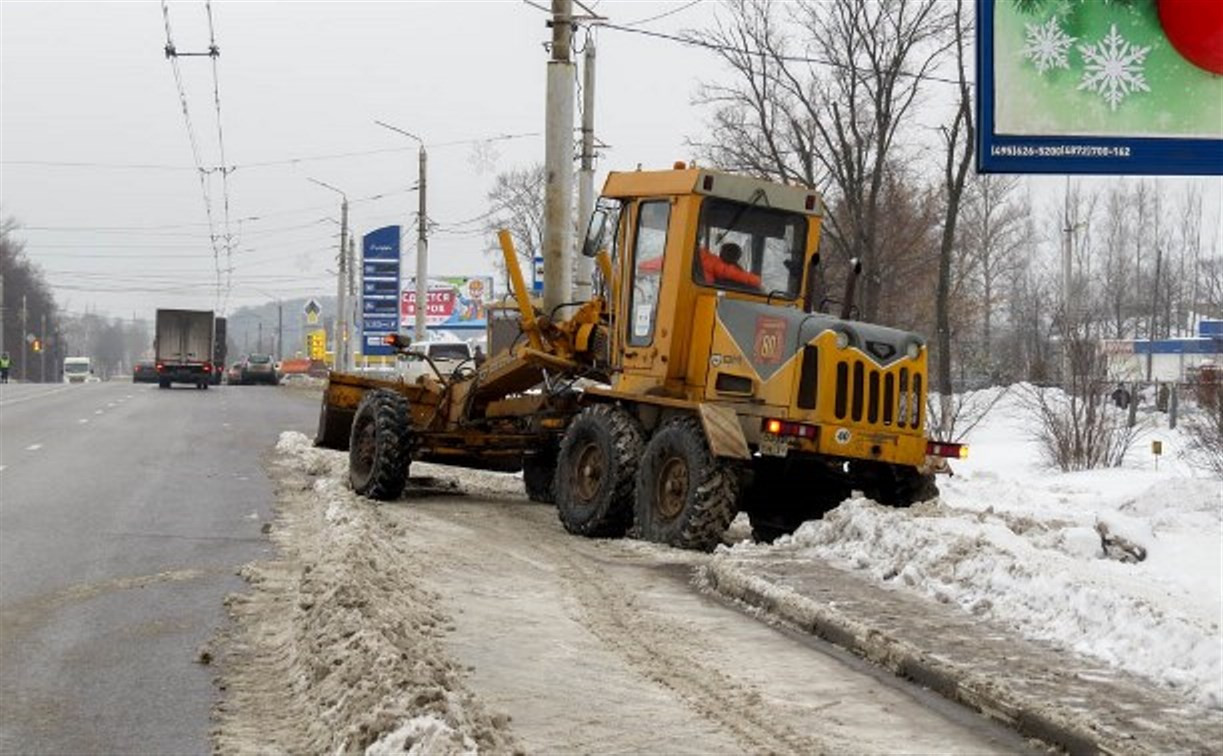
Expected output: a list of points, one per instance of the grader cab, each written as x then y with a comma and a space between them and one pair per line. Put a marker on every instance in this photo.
698, 383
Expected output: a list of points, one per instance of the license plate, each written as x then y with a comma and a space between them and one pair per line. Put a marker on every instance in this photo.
774, 446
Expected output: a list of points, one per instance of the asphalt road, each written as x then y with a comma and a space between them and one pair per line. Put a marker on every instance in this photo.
124, 512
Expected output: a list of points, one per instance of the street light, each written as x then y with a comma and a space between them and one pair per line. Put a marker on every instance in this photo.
422, 235
341, 319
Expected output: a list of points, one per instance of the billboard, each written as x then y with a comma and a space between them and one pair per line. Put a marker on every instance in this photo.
454, 302
1132, 87
379, 289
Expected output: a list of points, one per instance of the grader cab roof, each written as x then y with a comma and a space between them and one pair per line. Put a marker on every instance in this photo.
678, 181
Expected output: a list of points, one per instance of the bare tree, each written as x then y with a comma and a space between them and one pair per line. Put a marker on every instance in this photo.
960, 140
828, 111
517, 204
995, 234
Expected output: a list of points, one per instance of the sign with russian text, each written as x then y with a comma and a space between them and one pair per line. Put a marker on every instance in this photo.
1133, 87
456, 302
379, 289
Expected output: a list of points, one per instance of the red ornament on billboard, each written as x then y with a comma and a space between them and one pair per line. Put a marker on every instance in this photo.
1195, 29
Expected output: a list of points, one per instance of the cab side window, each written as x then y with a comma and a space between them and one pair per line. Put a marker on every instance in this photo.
649, 243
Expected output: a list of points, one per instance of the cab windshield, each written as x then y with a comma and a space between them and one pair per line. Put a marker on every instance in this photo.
76, 368
745, 247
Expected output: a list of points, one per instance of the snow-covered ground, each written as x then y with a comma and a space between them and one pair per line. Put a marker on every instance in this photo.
1016, 541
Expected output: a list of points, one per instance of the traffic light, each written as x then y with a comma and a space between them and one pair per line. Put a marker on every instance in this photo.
36, 345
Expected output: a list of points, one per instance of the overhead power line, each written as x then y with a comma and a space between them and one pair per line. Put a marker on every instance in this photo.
172, 55
691, 41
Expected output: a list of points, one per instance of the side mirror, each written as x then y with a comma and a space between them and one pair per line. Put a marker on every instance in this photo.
595, 232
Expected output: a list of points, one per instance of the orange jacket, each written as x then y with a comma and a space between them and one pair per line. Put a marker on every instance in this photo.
718, 270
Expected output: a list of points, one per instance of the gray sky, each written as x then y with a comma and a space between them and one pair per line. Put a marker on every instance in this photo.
88, 82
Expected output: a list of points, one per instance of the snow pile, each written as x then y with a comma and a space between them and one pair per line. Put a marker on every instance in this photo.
423, 736
337, 647
1123, 565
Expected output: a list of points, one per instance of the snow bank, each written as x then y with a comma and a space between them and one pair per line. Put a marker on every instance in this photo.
338, 647
1042, 551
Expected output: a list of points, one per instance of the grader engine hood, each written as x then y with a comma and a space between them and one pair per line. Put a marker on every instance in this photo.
764, 344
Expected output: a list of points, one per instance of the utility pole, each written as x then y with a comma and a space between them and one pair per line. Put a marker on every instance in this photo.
1067, 253
340, 337
280, 329
583, 268
354, 306
420, 327
42, 349
25, 345
1, 305
422, 252
558, 161
259, 343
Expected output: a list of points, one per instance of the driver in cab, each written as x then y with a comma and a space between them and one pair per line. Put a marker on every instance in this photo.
723, 268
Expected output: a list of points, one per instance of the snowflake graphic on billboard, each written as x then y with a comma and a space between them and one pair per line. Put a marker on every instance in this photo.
1113, 68
1047, 45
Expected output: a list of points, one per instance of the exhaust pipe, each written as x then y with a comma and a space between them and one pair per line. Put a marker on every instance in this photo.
851, 282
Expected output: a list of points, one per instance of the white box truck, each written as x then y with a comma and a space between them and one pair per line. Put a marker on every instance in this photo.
184, 347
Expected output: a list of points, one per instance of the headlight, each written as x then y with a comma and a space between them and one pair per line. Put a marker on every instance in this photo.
842, 339
913, 350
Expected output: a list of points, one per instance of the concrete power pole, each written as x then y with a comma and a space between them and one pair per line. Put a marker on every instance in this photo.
1, 305
42, 349
420, 327
341, 310
354, 303
280, 330
422, 253
558, 162
583, 268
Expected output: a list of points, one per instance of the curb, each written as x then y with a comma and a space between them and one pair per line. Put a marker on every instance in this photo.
1064, 727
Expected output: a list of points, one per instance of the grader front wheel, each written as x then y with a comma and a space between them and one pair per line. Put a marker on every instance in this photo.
595, 470
686, 497
379, 447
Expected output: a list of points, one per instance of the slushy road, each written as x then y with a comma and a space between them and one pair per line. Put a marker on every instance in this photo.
124, 512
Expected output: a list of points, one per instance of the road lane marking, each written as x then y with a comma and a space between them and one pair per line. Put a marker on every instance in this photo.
32, 397
83, 420
33, 447
2, 467
97, 412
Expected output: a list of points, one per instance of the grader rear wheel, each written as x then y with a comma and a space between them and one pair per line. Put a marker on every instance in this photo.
595, 470
379, 447
892, 485
784, 493
539, 475
686, 497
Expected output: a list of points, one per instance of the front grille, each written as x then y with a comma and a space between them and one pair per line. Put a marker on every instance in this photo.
864, 392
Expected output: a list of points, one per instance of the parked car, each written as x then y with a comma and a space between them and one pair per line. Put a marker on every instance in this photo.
259, 368
446, 356
144, 371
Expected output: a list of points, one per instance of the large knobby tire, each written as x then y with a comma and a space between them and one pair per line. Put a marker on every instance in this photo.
783, 494
334, 428
595, 472
686, 497
379, 449
893, 485
539, 475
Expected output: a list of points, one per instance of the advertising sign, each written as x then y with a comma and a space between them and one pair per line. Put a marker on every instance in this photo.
379, 289
1132, 87
457, 302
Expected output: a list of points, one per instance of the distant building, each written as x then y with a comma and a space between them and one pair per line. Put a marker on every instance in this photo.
1169, 359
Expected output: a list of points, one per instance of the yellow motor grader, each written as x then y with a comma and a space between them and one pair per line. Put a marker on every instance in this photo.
699, 382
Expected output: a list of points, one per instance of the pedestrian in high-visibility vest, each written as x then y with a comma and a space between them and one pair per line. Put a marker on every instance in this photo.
5, 362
